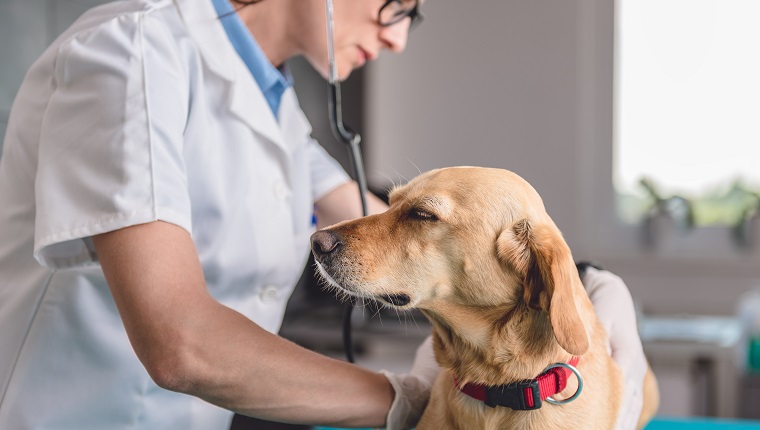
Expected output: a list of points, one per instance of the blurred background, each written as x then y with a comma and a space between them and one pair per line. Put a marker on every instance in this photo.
637, 122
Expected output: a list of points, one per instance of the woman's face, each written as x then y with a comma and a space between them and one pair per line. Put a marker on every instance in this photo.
357, 35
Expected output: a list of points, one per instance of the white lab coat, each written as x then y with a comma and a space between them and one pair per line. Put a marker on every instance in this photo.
141, 111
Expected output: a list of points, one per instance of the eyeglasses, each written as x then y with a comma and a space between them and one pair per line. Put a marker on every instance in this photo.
394, 11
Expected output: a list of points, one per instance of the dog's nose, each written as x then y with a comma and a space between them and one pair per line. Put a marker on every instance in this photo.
324, 243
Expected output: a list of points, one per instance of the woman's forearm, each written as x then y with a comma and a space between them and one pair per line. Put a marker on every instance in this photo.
237, 365
343, 203
189, 342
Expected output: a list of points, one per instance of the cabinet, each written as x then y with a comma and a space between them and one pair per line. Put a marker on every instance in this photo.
695, 361
749, 405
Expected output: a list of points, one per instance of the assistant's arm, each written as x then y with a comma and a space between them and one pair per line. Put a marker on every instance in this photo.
190, 343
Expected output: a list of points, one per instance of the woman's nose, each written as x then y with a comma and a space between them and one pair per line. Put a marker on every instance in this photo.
395, 36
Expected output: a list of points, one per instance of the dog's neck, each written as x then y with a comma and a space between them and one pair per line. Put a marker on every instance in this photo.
491, 359
523, 395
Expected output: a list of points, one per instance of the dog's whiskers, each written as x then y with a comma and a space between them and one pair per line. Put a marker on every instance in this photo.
414, 320
419, 171
378, 315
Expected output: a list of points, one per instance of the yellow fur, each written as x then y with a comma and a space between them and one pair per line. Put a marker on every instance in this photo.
476, 252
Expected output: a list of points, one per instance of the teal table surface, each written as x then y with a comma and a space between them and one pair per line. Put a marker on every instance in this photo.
663, 423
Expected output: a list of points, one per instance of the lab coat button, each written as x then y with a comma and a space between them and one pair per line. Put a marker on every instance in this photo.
281, 191
268, 293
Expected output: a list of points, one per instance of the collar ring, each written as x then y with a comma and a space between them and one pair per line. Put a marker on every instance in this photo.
571, 368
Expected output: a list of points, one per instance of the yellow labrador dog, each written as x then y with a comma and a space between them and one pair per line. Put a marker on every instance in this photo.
476, 252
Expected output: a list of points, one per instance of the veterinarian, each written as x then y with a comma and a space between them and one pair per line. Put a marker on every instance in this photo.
157, 188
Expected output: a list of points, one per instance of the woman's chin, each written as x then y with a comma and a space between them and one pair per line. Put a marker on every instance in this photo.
343, 75
344, 70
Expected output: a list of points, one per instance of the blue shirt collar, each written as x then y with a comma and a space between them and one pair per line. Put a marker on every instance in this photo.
271, 80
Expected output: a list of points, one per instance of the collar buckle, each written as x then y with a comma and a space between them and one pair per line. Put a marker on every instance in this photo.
520, 396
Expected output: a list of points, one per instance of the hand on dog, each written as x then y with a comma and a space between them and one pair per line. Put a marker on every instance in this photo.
412, 389
614, 307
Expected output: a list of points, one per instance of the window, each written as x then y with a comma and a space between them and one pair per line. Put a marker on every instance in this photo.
687, 99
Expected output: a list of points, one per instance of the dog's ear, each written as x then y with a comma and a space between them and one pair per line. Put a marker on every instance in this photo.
539, 254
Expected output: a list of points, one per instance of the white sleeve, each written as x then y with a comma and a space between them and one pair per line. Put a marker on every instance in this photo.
111, 142
326, 173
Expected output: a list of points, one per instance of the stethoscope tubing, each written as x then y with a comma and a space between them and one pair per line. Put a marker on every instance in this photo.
352, 139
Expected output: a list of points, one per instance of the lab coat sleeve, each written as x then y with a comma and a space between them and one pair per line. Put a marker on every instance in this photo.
326, 173
111, 142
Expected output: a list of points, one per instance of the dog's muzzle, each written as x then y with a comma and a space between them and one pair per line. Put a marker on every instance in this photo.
327, 246
324, 245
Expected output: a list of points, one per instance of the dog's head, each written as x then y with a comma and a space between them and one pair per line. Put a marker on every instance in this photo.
474, 249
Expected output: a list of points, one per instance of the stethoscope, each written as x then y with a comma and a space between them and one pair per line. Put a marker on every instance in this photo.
352, 139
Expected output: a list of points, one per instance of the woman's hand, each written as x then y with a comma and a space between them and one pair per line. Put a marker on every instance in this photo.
412, 390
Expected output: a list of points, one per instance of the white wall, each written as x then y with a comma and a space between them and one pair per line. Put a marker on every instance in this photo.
528, 86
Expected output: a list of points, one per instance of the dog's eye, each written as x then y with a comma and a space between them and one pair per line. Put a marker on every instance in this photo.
422, 215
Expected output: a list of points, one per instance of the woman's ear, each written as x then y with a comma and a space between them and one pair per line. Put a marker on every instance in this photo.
539, 254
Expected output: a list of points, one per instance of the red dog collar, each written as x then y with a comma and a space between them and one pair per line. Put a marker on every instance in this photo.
523, 395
